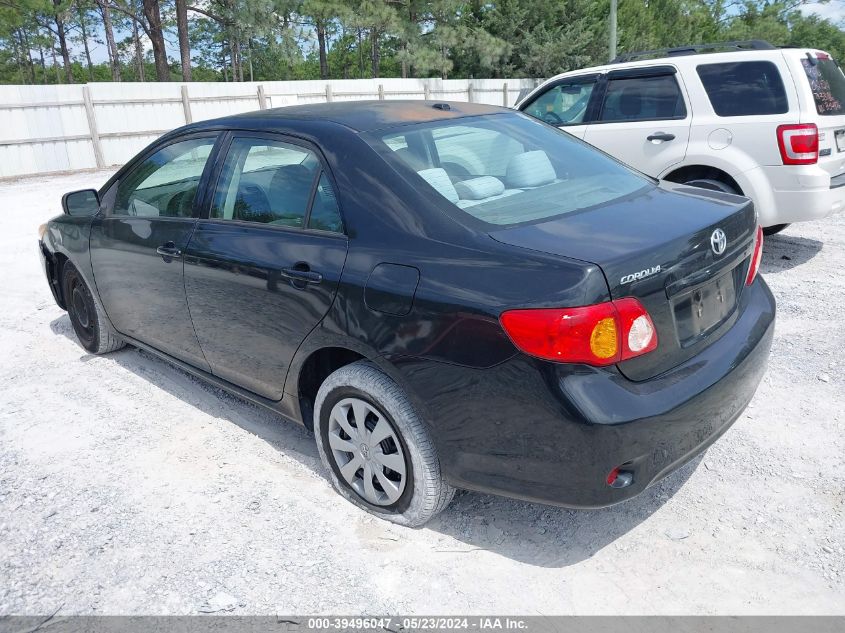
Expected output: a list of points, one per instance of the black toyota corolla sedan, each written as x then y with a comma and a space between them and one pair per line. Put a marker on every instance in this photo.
450, 295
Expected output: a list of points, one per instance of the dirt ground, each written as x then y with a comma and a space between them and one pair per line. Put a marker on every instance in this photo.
127, 486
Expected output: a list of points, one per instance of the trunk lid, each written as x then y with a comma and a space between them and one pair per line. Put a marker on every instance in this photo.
656, 246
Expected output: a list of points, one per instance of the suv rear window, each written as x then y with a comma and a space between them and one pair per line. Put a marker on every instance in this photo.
744, 88
827, 84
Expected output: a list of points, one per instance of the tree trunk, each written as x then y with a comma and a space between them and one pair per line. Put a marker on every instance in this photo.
139, 52
56, 65
43, 65
81, 14
376, 53
154, 30
233, 57
249, 47
321, 41
27, 53
114, 59
60, 31
184, 43
360, 53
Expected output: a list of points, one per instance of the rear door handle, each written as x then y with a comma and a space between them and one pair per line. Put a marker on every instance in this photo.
168, 251
659, 137
302, 274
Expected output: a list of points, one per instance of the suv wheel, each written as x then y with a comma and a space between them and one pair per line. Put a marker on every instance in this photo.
774, 228
713, 185
377, 450
89, 320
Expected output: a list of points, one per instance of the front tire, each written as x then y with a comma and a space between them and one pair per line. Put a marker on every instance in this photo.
377, 450
89, 320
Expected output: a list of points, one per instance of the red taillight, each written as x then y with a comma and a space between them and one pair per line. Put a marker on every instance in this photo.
600, 334
799, 144
756, 256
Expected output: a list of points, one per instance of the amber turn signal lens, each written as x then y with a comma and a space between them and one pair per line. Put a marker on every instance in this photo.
603, 339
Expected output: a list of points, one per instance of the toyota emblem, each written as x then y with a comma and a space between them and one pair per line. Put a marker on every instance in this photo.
718, 241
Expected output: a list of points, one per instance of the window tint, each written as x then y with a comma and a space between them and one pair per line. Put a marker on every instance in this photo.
643, 99
325, 214
464, 150
563, 104
266, 181
827, 83
165, 184
744, 88
507, 169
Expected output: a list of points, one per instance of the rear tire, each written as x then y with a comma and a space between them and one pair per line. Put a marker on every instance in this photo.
89, 320
774, 228
712, 184
398, 478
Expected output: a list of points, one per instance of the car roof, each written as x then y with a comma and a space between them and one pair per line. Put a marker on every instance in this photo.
688, 60
359, 116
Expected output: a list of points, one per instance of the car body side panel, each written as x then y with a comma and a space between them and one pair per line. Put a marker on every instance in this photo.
552, 432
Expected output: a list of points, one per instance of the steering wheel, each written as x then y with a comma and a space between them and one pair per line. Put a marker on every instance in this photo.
552, 118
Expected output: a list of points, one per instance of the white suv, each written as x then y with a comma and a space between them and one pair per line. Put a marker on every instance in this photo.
761, 121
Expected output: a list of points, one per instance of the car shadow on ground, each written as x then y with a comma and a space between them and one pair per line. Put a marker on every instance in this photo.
782, 252
532, 533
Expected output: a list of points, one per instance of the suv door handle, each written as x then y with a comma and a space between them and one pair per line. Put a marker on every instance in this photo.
168, 251
302, 273
659, 137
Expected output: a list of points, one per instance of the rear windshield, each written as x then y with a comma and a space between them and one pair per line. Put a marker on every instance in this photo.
508, 169
827, 84
744, 88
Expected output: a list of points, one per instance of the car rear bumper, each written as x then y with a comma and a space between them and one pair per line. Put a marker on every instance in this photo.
800, 193
552, 433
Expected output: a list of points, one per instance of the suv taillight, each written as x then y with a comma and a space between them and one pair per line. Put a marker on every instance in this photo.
600, 334
799, 144
756, 256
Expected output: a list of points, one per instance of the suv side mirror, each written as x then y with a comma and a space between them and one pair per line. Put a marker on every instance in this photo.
85, 202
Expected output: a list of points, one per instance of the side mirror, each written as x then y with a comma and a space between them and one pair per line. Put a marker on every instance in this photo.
85, 202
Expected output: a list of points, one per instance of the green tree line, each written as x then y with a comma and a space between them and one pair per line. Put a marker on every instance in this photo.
50, 41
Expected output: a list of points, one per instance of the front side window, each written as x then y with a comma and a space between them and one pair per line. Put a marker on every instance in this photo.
827, 84
744, 88
507, 169
165, 184
643, 99
563, 104
276, 183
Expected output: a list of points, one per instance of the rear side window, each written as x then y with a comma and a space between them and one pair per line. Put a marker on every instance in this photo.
643, 99
744, 88
272, 182
827, 83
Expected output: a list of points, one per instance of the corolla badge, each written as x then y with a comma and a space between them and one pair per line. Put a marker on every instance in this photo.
718, 241
642, 274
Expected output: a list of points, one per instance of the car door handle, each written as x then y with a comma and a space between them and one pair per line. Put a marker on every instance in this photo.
168, 251
302, 274
659, 137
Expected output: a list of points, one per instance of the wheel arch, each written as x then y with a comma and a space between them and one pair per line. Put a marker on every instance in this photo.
318, 365
697, 172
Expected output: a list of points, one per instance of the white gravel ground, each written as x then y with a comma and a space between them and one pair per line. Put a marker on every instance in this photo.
127, 486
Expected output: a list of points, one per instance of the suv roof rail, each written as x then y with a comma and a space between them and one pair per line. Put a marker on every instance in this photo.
693, 49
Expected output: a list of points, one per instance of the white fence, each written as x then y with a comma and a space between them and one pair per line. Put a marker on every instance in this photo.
68, 127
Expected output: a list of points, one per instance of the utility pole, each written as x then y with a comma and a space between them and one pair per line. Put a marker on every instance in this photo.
612, 46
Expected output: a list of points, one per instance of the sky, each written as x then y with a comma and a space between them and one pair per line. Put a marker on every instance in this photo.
833, 11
